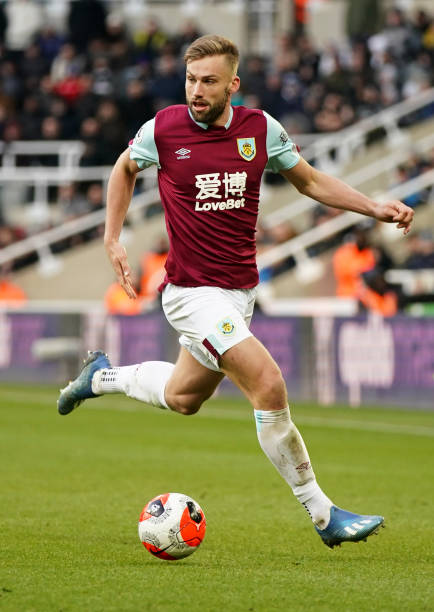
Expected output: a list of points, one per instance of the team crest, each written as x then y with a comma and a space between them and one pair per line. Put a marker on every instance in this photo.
246, 148
226, 326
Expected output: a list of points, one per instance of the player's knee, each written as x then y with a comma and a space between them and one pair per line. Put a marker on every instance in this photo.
271, 388
185, 404
188, 409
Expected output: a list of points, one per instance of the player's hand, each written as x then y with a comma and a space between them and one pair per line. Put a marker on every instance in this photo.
397, 212
118, 259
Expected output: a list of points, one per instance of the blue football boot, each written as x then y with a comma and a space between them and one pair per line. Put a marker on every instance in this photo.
81, 388
346, 526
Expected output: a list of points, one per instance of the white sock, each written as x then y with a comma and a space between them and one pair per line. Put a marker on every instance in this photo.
143, 381
282, 443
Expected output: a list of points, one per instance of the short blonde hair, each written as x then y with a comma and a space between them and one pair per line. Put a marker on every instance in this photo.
212, 44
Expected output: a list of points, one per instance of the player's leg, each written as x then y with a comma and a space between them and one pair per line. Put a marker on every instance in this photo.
250, 366
196, 374
190, 384
182, 387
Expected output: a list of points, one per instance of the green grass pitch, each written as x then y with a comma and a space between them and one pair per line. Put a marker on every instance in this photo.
72, 489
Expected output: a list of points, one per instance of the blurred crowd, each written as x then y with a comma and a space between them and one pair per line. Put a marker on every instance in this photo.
99, 81
313, 91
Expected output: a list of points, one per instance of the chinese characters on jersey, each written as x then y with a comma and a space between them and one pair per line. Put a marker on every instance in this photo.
210, 186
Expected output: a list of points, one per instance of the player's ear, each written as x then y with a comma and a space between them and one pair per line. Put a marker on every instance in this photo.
235, 85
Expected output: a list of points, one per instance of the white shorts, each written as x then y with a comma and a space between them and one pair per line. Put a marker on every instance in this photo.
210, 320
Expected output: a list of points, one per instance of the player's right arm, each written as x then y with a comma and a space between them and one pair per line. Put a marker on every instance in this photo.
119, 193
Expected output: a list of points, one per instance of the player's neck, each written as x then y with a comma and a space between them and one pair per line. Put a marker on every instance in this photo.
224, 117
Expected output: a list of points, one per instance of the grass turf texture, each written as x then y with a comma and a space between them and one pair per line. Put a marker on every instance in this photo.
72, 489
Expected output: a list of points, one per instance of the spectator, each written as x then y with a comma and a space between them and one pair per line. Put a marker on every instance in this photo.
150, 40
376, 295
152, 270
94, 152
95, 202
51, 129
254, 74
350, 261
117, 302
24, 18
49, 42
120, 47
138, 105
189, 32
31, 118
271, 98
95, 197
112, 132
10, 82
168, 85
44, 94
363, 18
33, 65
86, 22
87, 101
102, 75
359, 273
12, 130
67, 64
70, 203
369, 101
64, 114
421, 256
11, 295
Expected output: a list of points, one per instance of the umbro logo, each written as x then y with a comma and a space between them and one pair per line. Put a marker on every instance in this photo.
183, 153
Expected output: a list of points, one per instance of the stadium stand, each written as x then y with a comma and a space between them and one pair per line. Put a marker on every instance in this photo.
72, 96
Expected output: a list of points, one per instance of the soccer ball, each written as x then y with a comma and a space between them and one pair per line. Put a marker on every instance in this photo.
172, 526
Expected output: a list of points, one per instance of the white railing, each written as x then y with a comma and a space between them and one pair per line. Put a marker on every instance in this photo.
355, 179
416, 281
66, 170
41, 243
42, 178
335, 149
68, 151
344, 144
297, 246
54, 175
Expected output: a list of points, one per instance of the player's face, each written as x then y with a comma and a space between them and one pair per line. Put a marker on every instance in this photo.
209, 85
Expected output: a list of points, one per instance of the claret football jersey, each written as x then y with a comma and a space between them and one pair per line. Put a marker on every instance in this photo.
209, 179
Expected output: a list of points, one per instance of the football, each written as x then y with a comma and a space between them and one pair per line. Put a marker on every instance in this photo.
172, 526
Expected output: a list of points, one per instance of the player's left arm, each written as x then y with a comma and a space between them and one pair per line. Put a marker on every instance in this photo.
333, 192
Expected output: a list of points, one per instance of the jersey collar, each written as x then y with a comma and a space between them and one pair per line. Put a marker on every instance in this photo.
205, 125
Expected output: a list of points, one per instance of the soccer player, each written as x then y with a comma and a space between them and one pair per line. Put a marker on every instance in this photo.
210, 159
